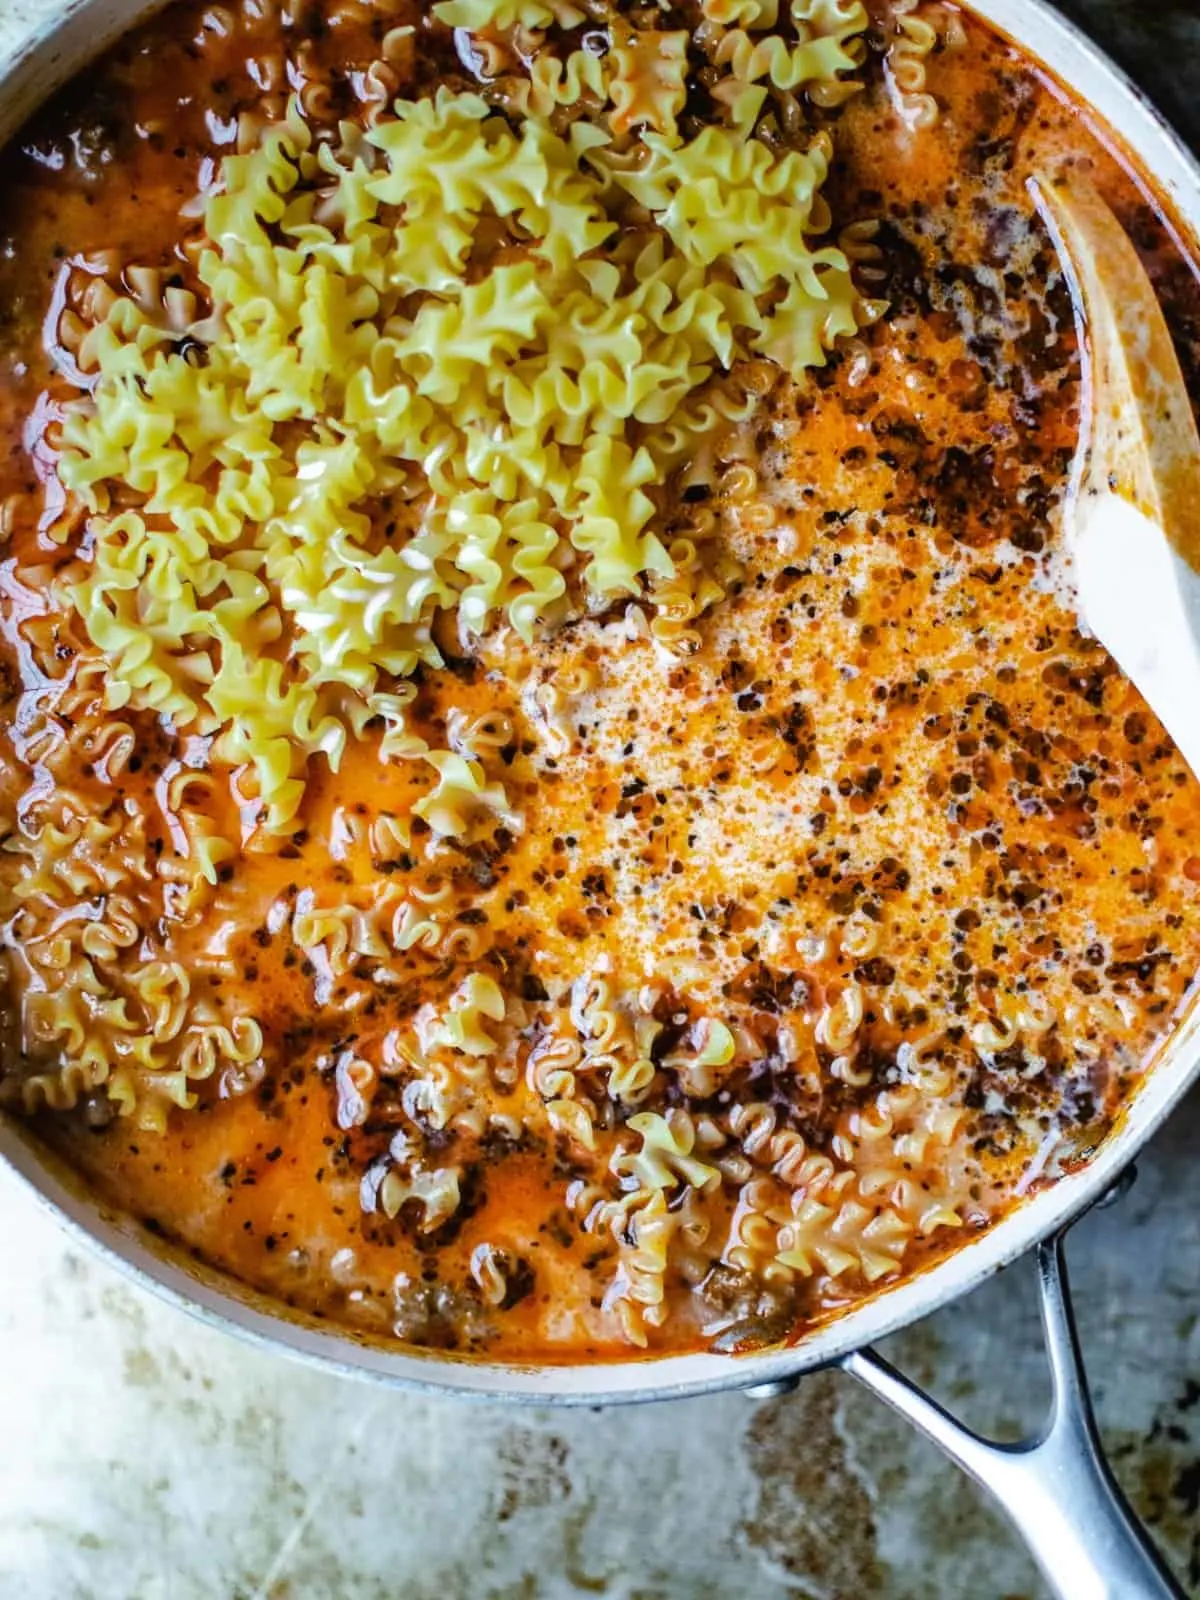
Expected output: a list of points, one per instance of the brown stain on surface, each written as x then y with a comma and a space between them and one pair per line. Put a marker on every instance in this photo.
533, 1472
813, 1519
1160, 1471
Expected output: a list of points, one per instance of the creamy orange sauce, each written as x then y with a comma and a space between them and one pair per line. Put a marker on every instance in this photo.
893, 764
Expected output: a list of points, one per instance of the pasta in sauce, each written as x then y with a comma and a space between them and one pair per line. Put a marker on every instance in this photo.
555, 803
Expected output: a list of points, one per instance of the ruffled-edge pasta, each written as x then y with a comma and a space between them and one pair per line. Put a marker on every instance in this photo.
830, 49
346, 359
625, 78
914, 38
342, 351
476, 15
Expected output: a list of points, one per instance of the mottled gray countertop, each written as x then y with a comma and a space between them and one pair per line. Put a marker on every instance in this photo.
145, 1457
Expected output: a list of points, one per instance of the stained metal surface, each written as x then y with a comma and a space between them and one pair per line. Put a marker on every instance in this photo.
145, 1455
1054, 1485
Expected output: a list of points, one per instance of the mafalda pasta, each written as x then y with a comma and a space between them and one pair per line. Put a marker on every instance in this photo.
355, 343
554, 801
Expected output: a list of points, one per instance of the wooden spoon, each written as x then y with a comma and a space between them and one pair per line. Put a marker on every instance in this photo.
1132, 518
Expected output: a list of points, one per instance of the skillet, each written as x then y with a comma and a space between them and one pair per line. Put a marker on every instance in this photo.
1055, 1487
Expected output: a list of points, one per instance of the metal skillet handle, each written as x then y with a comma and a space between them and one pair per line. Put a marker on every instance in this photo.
1056, 1486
